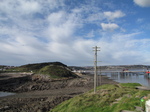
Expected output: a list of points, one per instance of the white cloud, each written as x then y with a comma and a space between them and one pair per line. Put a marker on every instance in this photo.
124, 49
114, 15
109, 26
29, 6
49, 5
57, 18
58, 34
61, 27
19, 7
95, 17
142, 3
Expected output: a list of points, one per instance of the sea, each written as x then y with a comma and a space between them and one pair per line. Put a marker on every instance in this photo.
128, 77
2, 94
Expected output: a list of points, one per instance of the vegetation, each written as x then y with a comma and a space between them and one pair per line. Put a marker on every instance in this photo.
52, 69
56, 71
36, 66
108, 98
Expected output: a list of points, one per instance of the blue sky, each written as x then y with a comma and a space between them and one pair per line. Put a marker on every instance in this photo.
33, 31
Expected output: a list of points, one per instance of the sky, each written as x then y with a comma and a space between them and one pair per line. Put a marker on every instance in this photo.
35, 31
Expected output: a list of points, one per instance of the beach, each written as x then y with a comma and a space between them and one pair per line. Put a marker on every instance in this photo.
42, 95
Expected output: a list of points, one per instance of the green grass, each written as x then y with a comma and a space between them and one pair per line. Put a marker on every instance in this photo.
105, 99
55, 70
36, 66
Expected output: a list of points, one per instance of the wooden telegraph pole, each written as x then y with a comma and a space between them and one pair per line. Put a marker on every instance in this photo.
95, 67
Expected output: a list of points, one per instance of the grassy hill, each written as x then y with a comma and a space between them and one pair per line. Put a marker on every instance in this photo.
56, 71
53, 69
37, 66
109, 98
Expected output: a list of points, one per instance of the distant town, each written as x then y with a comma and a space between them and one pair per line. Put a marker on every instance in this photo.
106, 67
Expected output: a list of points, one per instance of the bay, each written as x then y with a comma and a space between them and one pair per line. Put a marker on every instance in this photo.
137, 77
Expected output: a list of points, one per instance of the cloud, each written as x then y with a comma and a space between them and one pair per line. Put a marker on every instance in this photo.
142, 3
54, 30
57, 18
109, 26
61, 26
124, 49
114, 15
20, 7
90, 34
140, 20
29, 6
95, 17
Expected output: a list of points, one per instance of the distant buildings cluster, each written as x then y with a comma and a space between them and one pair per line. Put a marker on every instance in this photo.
3, 68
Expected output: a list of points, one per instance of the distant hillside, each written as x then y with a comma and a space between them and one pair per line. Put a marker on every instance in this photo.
53, 69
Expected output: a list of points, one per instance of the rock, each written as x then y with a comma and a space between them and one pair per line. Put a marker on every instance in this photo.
127, 111
142, 88
139, 109
39, 110
4, 108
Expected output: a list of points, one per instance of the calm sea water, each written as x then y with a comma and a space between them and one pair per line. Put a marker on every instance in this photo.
2, 94
140, 77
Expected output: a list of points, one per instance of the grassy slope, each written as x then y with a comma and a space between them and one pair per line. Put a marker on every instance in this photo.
56, 71
105, 100
37, 66
53, 69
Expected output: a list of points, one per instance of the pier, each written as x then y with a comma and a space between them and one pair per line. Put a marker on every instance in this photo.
110, 71
116, 72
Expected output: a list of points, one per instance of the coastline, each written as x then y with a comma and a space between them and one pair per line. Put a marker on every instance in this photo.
34, 96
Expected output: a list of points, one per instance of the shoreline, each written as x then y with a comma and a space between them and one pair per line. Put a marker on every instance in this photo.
35, 96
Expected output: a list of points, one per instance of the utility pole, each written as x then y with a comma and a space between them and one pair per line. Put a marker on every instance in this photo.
95, 67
